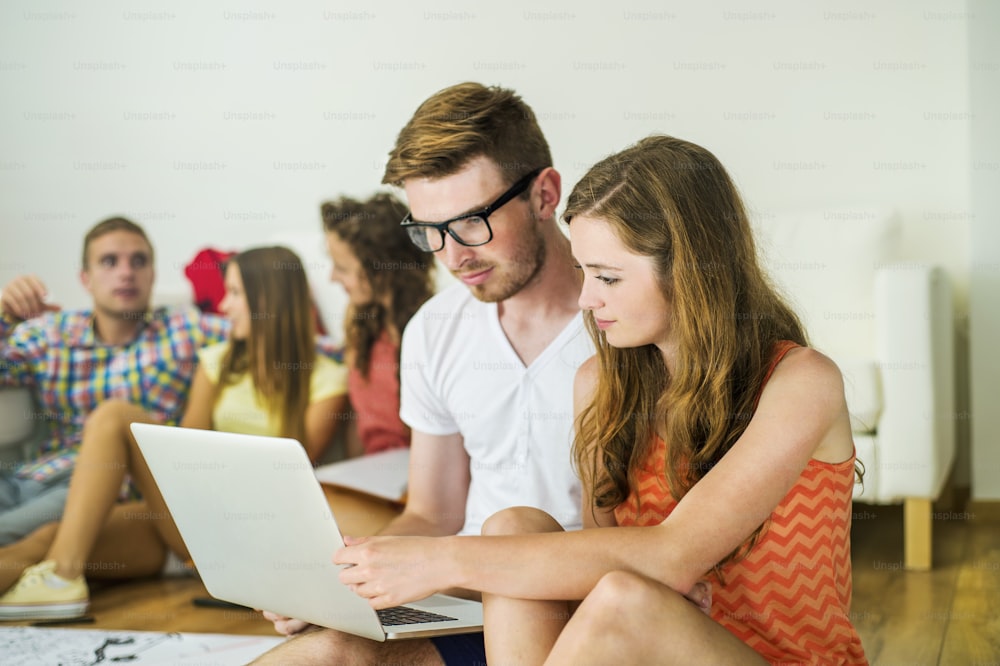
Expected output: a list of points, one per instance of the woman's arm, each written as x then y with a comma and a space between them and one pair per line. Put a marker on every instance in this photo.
801, 411
322, 418
201, 400
353, 445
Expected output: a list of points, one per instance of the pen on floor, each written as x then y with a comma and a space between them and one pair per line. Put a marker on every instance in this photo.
212, 602
69, 620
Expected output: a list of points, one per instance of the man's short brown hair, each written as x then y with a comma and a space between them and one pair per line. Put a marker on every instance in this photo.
463, 122
109, 225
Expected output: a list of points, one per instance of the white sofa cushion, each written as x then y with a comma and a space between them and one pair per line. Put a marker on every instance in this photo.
824, 261
863, 389
17, 415
867, 449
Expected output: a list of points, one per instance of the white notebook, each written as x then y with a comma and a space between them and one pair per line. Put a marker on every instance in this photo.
382, 475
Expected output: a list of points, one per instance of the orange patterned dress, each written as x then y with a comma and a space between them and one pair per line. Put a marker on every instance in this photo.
790, 597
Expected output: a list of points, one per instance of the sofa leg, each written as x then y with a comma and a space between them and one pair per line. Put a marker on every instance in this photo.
917, 533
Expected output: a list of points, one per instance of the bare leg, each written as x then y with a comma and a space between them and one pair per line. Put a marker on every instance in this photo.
18, 556
629, 619
521, 631
107, 452
129, 546
327, 646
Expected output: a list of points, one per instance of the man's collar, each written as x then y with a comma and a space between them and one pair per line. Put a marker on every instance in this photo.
83, 334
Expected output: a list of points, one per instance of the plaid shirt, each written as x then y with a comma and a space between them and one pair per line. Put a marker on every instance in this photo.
71, 372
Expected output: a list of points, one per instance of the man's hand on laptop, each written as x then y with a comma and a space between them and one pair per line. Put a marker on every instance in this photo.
286, 626
390, 570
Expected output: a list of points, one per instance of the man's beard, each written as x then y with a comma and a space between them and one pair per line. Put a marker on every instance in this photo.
516, 274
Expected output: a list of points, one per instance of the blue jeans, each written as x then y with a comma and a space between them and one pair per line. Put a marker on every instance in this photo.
26, 504
461, 649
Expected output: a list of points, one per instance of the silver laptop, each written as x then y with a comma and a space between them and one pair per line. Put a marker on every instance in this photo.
261, 533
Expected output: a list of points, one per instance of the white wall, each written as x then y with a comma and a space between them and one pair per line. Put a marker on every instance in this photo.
985, 267
216, 124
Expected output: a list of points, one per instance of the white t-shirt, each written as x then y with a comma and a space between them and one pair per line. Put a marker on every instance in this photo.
459, 374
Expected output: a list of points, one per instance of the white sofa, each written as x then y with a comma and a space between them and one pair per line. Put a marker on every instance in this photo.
888, 323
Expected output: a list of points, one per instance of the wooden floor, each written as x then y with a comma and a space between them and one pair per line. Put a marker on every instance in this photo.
948, 616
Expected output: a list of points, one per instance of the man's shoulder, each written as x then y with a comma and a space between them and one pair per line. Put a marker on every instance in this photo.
53, 325
60, 318
177, 314
188, 317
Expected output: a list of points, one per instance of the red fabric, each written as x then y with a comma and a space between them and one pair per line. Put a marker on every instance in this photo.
205, 272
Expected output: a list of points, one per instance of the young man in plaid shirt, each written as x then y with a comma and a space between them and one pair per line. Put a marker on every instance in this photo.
74, 361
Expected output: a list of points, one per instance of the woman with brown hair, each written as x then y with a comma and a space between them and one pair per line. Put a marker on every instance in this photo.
267, 379
714, 447
386, 278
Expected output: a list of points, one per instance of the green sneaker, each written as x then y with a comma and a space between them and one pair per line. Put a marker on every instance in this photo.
39, 594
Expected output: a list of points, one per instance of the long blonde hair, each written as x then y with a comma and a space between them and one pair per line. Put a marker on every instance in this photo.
673, 201
280, 351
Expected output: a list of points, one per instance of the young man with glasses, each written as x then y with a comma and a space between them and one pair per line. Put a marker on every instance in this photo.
487, 366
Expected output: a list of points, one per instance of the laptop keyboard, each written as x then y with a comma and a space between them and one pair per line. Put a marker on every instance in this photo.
405, 615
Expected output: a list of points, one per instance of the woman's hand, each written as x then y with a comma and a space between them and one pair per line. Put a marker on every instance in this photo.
389, 571
701, 596
286, 626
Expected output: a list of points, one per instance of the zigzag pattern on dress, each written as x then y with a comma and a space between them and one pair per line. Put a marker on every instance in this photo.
789, 598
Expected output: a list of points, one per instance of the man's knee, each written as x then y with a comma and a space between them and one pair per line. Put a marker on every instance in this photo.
46, 532
116, 413
520, 520
118, 408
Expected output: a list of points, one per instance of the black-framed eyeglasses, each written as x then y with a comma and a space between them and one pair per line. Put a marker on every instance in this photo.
470, 229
